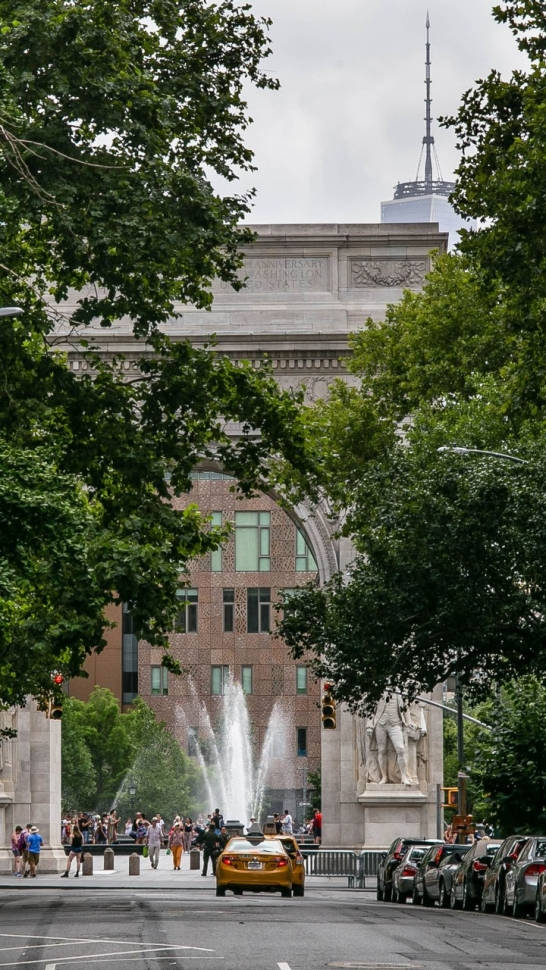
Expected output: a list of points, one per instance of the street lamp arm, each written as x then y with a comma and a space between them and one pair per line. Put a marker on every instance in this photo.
453, 710
459, 450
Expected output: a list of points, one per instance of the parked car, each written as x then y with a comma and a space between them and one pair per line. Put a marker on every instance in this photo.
392, 859
494, 883
540, 899
432, 873
522, 878
467, 883
404, 874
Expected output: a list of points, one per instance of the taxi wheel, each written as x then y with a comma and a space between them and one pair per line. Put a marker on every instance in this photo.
220, 891
298, 890
540, 916
286, 893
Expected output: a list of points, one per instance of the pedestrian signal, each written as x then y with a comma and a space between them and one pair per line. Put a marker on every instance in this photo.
328, 708
450, 797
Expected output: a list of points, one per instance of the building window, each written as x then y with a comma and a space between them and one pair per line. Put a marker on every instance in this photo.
193, 733
186, 618
129, 658
229, 610
258, 609
211, 477
301, 680
246, 679
252, 542
301, 733
219, 677
216, 554
305, 561
158, 680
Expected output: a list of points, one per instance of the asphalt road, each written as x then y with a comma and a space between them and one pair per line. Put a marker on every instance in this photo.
160, 930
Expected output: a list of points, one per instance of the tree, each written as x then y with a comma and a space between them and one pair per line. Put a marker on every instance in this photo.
165, 778
510, 763
112, 116
449, 578
105, 752
448, 575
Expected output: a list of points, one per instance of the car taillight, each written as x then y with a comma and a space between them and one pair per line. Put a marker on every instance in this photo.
281, 862
398, 851
479, 866
438, 856
535, 869
408, 871
227, 860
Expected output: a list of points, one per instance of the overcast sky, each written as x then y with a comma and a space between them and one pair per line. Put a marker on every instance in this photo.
347, 123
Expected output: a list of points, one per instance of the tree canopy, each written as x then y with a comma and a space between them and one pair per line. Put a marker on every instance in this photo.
112, 118
450, 551
105, 753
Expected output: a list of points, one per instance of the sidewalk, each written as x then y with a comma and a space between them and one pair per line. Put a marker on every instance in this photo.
163, 878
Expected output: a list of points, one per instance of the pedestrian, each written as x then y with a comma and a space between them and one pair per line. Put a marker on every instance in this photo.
101, 831
210, 848
141, 828
16, 850
317, 826
76, 852
223, 838
34, 844
277, 823
23, 845
153, 841
188, 834
176, 844
286, 822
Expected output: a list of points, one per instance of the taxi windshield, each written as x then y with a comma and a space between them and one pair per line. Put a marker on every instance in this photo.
269, 847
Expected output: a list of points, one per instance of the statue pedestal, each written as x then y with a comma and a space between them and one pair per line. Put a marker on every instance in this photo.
390, 794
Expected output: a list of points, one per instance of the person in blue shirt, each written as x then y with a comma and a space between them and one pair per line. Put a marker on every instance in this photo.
34, 844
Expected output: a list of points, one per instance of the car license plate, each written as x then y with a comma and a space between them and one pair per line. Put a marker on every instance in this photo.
254, 864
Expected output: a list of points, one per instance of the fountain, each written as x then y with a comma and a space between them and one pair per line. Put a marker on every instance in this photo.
233, 782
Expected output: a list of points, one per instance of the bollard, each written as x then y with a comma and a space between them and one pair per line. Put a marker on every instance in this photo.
134, 864
195, 859
109, 858
87, 864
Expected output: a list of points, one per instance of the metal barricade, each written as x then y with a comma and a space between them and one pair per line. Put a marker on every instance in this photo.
368, 864
331, 862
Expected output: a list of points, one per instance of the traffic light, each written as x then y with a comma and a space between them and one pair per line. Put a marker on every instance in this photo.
450, 797
328, 708
55, 707
55, 710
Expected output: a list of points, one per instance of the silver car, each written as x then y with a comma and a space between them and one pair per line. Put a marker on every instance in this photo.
404, 874
522, 878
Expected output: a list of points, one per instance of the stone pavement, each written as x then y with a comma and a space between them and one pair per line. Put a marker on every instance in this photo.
163, 878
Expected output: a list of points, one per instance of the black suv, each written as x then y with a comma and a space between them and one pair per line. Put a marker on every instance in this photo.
391, 860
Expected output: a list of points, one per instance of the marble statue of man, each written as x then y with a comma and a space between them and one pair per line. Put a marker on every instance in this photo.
391, 720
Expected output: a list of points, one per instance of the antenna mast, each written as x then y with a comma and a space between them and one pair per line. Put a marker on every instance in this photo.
428, 139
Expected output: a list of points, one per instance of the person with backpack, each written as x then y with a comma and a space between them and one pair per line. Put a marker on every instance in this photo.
34, 844
16, 849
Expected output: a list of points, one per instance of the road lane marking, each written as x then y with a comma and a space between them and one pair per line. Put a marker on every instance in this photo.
50, 966
113, 953
283, 966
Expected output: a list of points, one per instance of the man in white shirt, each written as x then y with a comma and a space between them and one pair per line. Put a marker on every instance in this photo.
286, 822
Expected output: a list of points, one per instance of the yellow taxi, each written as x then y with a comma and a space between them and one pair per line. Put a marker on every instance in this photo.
292, 848
262, 866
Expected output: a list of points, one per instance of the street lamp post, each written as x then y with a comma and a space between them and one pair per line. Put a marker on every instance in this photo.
461, 774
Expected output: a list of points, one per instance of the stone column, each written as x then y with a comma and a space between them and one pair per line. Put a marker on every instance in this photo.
30, 785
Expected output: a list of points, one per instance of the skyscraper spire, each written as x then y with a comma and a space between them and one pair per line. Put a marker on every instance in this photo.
429, 185
428, 140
